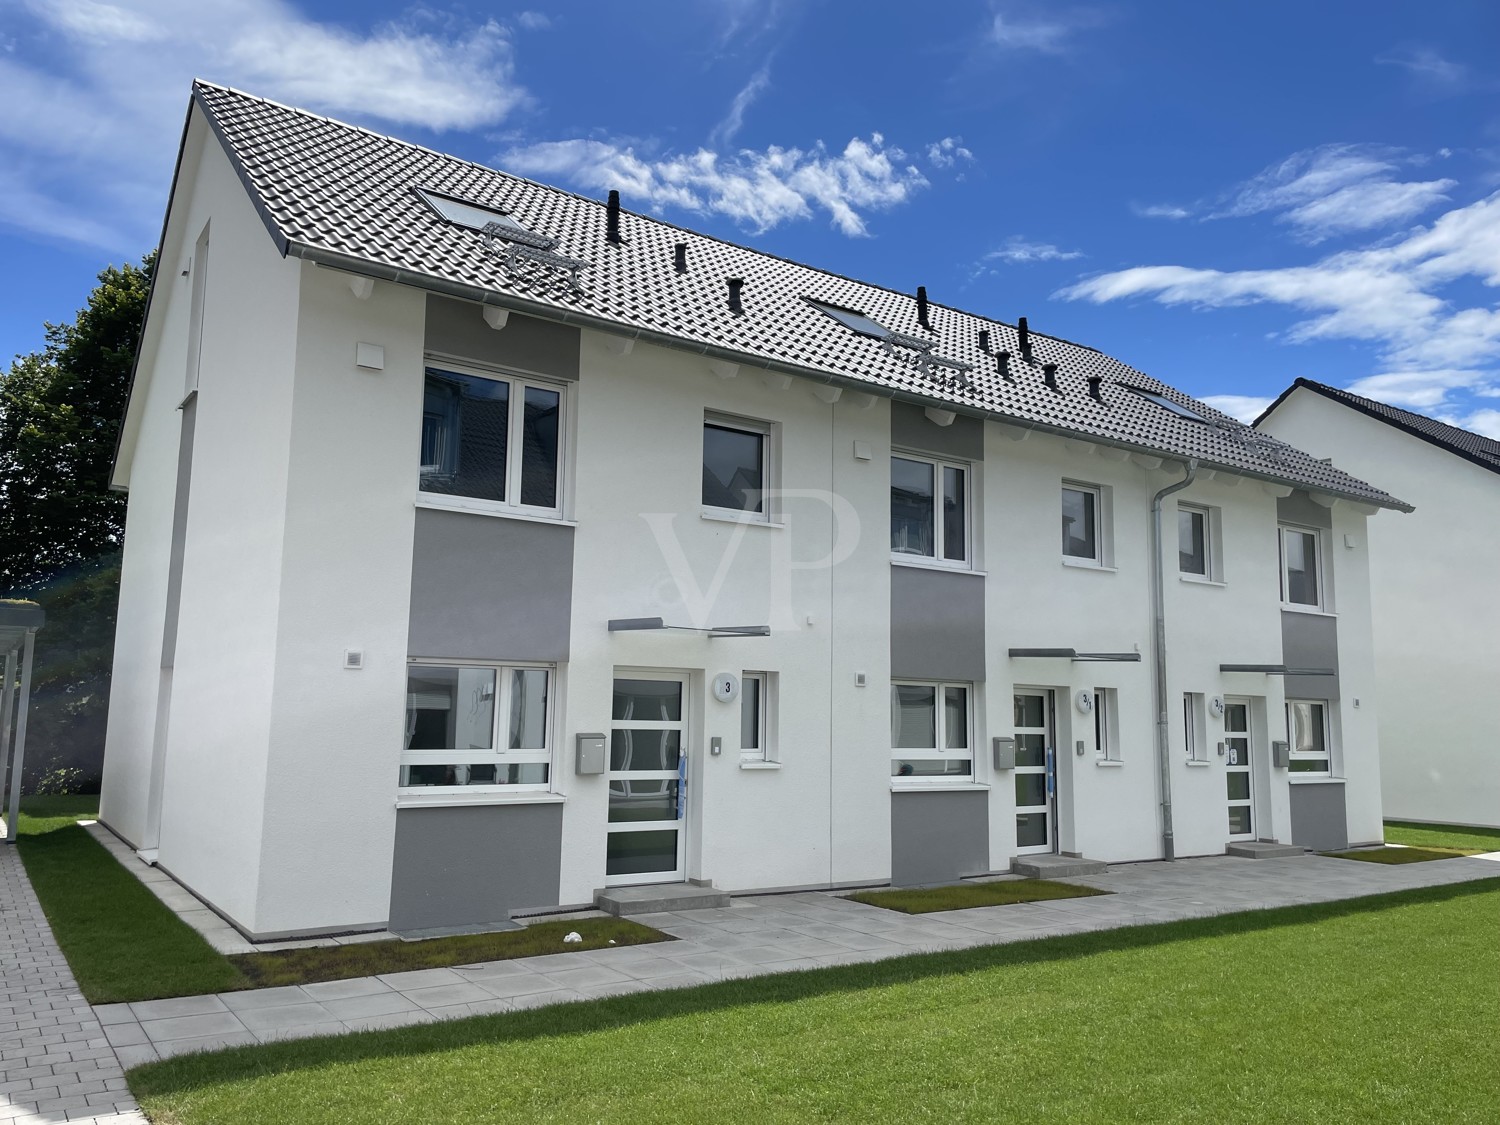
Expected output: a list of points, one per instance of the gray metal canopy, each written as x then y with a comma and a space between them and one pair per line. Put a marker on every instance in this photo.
1277, 670
19, 621
647, 624
1074, 655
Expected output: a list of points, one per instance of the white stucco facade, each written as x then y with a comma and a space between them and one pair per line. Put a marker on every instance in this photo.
277, 765
1432, 585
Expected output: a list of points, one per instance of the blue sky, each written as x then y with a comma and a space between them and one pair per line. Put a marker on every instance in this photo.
1226, 195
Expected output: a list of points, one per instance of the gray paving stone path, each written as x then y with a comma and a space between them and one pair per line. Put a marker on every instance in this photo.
56, 1061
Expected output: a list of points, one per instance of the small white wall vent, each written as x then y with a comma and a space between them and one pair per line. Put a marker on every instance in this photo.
369, 356
354, 659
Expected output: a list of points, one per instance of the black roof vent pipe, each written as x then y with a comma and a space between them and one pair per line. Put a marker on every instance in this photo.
735, 285
922, 307
1049, 376
1094, 383
1025, 333
612, 220
1002, 366
679, 257
984, 339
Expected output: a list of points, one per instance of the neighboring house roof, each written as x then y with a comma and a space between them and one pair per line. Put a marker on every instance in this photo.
346, 197
1477, 448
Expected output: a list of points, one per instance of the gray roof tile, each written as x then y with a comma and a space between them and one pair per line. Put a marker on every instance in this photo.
327, 188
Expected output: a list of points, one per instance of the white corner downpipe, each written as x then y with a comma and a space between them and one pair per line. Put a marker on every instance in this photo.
1159, 655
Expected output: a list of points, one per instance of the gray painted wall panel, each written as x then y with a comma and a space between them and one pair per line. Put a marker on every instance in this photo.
488, 588
473, 865
937, 624
938, 837
1297, 508
910, 429
457, 328
1310, 640
1318, 816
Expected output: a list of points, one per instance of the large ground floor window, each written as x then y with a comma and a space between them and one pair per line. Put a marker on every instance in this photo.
477, 725
932, 731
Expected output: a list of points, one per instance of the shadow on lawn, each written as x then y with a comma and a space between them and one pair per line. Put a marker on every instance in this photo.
187, 1072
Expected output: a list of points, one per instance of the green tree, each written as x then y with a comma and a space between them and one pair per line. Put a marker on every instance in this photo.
60, 525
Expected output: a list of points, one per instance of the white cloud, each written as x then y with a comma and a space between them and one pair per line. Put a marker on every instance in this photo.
533, 21
1427, 65
1019, 251
726, 130
948, 152
1160, 211
1486, 422
1046, 35
1247, 408
1397, 297
102, 116
756, 188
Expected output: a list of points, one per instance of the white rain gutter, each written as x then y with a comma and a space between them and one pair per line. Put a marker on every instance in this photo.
1159, 652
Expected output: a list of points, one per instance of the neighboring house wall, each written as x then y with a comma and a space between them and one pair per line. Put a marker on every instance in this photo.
1435, 607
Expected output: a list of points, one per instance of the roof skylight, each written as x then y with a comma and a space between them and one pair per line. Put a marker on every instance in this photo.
854, 321
1167, 404
463, 213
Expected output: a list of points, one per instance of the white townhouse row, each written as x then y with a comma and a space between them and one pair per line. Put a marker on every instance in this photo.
489, 546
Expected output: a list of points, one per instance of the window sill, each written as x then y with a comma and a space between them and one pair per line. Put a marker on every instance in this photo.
715, 515
917, 562
1198, 765
486, 508
1194, 580
1108, 763
1314, 779
939, 787
488, 797
1290, 607
759, 765
1085, 564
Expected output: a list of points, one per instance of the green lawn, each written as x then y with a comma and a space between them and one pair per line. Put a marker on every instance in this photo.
123, 943
1398, 855
1359, 1011
967, 896
1453, 836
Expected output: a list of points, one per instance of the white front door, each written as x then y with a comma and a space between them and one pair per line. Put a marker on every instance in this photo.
1238, 780
1035, 779
647, 780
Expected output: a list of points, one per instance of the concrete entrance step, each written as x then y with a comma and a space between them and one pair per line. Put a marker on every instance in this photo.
1260, 849
1056, 866
621, 901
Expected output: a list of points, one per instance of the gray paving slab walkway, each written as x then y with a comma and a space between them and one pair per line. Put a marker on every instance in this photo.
56, 1062
753, 936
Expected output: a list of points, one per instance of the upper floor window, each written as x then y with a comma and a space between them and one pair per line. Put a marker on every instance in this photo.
492, 438
736, 465
1082, 534
477, 725
1301, 570
931, 732
1307, 729
930, 510
1192, 540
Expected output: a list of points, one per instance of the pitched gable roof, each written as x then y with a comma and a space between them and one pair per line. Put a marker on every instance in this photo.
346, 197
1477, 448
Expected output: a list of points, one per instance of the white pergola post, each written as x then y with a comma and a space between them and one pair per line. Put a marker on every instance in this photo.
18, 755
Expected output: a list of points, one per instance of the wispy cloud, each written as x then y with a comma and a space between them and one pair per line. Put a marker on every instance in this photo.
1427, 65
1015, 29
1160, 211
1402, 298
759, 189
726, 130
101, 127
948, 152
1020, 251
1486, 422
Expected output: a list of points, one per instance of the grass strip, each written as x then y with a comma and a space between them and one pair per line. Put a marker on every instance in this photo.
1139, 1024
970, 896
1469, 840
1399, 855
368, 959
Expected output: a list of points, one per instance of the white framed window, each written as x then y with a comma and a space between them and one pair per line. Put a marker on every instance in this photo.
1106, 725
1195, 542
932, 732
757, 717
738, 465
1301, 567
493, 442
1085, 524
477, 725
1195, 726
930, 510
1307, 731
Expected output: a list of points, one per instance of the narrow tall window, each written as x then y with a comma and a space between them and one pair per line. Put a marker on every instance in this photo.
1307, 728
1301, 576
755, 717
1106, 725
1080, 523
1194, 727
1192, 540
930, 510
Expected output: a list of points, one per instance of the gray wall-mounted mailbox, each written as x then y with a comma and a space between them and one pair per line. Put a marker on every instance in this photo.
590, 754
1281, 755
1005, 752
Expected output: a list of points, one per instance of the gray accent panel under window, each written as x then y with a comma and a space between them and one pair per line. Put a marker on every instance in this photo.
910, 429
937, 625
458, 328
938, 837
1298, 508
179, 531
470, 866
488, 588
1319, 820
1310, 640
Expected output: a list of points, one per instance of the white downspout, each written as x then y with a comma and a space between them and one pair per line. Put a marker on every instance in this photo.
1159, 653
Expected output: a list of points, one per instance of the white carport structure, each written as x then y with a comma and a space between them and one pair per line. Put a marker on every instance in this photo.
19, 622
